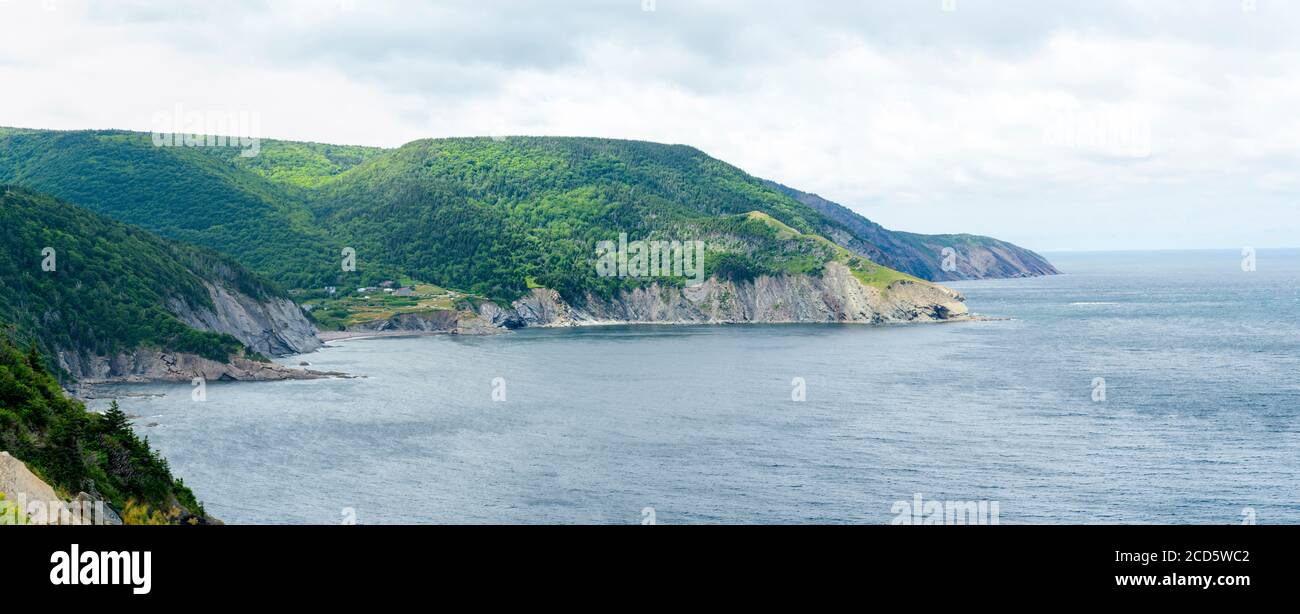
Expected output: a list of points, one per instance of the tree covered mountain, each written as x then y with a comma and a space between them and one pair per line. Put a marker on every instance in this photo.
490, 216
71, 278
195, 195
86, 288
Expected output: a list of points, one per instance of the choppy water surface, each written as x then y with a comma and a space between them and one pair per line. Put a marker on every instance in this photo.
1201, 417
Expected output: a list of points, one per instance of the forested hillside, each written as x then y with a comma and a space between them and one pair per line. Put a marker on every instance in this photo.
197, 195
489, 216
302, 165
73, 280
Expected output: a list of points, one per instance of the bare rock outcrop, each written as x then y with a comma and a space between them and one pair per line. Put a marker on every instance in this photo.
31, 498
145, 365
835, 296
273, 326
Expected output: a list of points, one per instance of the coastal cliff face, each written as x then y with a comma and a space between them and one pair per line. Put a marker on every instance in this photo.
111, 300
274, 326
836, 296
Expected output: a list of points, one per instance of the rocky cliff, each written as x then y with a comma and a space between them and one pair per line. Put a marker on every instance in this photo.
112, 301
273, 326
835, 296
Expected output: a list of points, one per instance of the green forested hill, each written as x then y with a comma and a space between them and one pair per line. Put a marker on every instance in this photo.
303, 165
110, 282
486, 215
483, 215
196, 195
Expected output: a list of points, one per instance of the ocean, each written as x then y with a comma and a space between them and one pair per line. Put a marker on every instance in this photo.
1139, 387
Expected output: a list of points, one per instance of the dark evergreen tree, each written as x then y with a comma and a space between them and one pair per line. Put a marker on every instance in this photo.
115, 422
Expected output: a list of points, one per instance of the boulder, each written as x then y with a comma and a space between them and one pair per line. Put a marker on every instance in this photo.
34, 498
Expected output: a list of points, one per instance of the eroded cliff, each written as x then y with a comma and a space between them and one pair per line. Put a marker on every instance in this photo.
273, 326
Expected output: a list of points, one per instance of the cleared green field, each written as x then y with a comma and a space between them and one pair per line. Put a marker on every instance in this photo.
353, 309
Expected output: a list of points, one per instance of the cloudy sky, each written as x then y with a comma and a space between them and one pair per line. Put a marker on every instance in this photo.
1057, 125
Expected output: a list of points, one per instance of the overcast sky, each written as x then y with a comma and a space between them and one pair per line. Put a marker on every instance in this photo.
1057, 125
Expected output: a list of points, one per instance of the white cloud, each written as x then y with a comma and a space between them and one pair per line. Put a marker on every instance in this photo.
1109, 124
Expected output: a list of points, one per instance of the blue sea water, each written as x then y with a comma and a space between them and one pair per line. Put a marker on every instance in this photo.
1200, 421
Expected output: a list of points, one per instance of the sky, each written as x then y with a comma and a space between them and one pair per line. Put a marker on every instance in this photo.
1099, 125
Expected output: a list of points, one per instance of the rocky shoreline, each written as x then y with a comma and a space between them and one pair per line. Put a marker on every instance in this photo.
270, 326
356, 335
147, 366
280, 328
834, 297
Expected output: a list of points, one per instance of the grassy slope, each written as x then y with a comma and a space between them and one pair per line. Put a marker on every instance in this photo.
863, 269
342, 311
